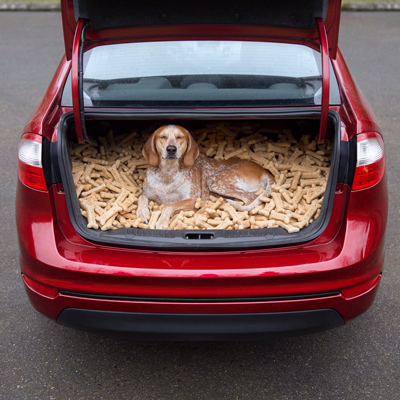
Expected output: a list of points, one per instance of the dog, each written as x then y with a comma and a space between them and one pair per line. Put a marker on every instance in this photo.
177, 175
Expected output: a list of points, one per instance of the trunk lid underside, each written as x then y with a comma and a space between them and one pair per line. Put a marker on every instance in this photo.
289, 21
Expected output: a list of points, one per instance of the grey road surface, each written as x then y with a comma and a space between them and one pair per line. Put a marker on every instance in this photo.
40, 360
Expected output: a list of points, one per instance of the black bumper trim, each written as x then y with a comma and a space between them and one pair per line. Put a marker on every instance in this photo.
198, 299
199, 327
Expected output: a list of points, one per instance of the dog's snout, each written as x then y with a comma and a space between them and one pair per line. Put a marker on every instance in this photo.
171, 150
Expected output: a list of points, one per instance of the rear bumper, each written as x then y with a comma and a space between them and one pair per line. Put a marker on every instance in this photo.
161, 326
226, 319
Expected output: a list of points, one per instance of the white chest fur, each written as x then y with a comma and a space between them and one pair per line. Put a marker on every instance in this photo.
168, 185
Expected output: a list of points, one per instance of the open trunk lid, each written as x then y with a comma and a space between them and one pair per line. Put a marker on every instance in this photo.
87, 24
288, 21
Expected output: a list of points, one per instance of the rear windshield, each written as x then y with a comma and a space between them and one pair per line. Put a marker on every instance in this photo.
202, 73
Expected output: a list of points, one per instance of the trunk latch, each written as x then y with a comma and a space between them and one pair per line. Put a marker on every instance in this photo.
199, 236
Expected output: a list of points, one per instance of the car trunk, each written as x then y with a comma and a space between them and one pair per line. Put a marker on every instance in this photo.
283, 143
299, 207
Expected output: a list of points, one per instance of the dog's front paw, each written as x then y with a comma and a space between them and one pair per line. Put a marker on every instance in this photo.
143, 214
143, 211
165, 216
162, 223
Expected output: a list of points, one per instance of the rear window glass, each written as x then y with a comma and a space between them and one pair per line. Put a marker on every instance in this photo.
202, 73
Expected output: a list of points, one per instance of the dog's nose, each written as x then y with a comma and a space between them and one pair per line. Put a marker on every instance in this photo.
171, 150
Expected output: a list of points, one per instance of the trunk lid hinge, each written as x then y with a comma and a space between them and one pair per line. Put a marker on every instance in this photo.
323, 38
77, 80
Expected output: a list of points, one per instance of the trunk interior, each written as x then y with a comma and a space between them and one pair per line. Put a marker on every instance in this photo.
102, 180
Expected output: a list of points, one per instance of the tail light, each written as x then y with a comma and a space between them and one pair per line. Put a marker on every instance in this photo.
370, 166
30, 170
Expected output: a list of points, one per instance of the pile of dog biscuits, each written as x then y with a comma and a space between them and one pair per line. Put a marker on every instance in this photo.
109, 172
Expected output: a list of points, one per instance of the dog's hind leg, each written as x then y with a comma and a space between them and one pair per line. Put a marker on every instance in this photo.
170, 209
256, 202
241, 182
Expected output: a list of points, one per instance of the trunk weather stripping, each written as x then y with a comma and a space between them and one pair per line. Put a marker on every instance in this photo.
208, 241
323, 38
77, 80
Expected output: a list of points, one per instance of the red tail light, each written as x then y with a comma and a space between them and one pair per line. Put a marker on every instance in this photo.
30, 171
370, 166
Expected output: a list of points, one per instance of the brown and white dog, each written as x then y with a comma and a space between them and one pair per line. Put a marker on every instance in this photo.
177, 176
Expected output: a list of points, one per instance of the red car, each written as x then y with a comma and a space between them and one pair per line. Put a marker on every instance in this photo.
273, 67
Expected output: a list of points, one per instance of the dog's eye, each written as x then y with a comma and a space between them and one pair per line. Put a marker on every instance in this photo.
162, 137
180, 137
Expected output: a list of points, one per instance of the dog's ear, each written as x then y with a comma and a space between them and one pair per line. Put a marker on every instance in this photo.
192, 151
149, 151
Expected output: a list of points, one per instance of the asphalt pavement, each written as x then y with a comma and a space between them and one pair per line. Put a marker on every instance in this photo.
41, 360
